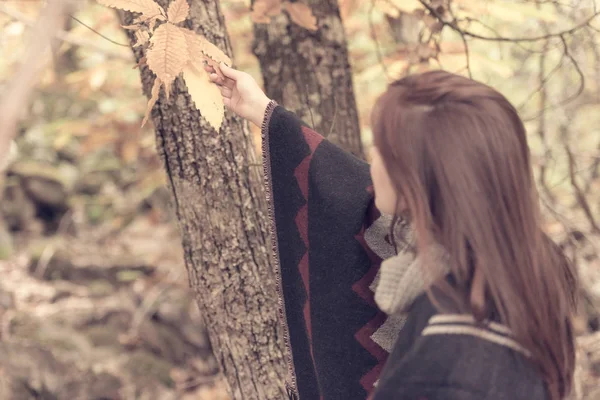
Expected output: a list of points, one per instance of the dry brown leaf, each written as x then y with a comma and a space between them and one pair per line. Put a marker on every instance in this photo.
205, 94
141, 38
263, 10
194, 44
215, 53
201, 49
148, 8
302, 15
152, 101
168, 54
216, 66
178, 11
214, 56
196, 48
199, 46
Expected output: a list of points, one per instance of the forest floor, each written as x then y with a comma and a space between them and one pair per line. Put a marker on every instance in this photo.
105, 317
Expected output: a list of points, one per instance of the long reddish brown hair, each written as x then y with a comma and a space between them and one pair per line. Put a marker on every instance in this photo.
456, 151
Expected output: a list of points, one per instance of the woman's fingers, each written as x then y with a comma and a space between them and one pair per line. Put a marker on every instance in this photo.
230, 72
225, 91
223, 87
214, 77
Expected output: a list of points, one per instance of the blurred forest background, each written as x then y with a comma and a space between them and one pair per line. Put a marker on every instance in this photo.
94, 295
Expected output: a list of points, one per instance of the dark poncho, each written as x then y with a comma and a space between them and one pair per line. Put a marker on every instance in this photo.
322, 210
322, 202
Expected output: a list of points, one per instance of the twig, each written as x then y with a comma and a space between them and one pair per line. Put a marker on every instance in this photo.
580, 89
467, 56
66, 37
454, 26
577, 68
98, 33
495, 32
543, 80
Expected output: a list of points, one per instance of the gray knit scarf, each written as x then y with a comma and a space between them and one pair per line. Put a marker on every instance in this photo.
406, 275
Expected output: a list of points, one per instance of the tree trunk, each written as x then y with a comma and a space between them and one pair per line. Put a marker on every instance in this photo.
309, 73
219, 202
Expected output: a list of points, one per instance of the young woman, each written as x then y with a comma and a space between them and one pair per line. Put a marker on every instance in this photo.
478, 300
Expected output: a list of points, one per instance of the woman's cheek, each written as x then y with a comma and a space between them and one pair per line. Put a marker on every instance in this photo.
385, 198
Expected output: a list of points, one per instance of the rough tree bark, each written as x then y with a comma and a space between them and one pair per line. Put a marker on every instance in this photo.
309, 72
219, 202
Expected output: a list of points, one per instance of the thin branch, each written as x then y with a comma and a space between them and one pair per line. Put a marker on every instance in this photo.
466, 47
565, 177
467, 56
521, 45
454, 26
98, 33
577, 68
75, 40
543, 82
578, 92
491, 29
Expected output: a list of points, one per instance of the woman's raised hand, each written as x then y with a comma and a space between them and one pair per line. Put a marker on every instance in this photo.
241, 94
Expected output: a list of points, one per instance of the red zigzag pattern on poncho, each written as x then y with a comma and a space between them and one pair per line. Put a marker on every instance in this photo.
313, 140
362, 288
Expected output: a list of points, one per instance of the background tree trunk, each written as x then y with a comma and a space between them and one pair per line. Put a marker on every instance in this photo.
309, 73
220, 205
